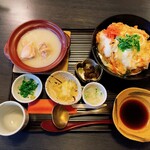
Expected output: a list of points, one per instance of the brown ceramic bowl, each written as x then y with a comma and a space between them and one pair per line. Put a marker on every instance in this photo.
10, 48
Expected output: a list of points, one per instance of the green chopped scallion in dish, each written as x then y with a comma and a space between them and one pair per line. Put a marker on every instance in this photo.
129, 42
27, 88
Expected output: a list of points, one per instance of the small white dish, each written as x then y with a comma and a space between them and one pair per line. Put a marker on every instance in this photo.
94, 94
63, 88
18, 82
14, 118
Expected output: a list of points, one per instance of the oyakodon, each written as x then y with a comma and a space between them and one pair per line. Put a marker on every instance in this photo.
123, 49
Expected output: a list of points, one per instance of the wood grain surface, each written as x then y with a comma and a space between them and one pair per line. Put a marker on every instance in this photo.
68, 14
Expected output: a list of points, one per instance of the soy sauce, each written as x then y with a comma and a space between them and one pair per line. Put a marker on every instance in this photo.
134, 114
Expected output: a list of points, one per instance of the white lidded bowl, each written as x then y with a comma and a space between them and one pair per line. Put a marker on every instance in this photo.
13, 118
57, 87
94, 94
17, 83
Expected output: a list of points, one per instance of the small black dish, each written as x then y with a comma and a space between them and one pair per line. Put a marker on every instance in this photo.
88, 71
130, 20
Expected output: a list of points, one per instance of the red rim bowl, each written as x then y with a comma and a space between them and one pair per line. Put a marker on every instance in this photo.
10, 49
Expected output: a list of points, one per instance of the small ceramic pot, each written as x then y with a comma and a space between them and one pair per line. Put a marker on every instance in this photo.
10, 49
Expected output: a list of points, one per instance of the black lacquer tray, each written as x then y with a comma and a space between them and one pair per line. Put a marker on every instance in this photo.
80, 49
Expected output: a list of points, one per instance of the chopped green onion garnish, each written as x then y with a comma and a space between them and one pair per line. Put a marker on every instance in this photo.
27, 88
129, 42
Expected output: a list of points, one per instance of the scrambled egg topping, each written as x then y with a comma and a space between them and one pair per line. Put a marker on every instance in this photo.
123, 49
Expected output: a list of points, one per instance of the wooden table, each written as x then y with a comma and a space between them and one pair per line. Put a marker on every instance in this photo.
79, 14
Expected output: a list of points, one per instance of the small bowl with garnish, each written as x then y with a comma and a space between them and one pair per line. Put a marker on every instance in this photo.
94, 94
88, 71
26, 88
63, 88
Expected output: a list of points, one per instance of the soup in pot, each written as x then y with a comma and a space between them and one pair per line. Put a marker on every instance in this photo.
39, 48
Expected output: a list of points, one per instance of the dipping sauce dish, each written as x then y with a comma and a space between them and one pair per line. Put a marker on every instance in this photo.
131, 114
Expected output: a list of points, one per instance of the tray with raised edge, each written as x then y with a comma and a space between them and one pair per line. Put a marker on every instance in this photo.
80, 49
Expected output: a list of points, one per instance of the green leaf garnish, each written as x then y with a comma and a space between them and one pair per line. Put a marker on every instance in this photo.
27, 87
129, 42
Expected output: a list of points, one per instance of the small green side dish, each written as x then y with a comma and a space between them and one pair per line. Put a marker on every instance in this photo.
26, 88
